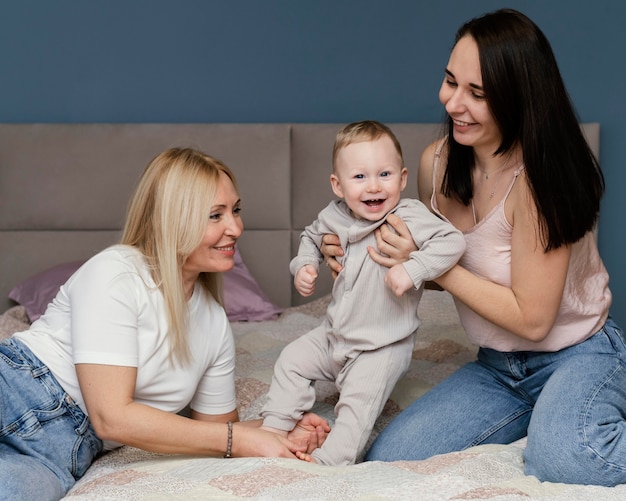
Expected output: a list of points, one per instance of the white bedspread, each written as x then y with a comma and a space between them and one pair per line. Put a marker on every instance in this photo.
489, 472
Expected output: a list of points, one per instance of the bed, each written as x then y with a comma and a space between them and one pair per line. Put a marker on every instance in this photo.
63, 194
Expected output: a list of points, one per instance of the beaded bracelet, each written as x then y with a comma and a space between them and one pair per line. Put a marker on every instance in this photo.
229, 445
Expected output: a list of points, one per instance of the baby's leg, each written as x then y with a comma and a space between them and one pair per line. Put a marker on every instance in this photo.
301, 363
365, 385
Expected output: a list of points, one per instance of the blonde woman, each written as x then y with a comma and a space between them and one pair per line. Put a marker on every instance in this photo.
133, 337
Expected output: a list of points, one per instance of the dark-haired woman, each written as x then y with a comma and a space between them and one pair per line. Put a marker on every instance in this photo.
516, 175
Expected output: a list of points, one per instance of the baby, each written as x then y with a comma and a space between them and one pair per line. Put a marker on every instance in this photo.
366, 342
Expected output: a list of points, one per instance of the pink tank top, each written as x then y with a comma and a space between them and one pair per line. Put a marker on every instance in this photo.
586, 297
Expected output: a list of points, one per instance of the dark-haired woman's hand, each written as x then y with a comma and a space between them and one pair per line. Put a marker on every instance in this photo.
331, 248
394, 242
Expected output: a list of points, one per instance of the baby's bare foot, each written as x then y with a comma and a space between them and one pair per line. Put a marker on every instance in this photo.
305, 457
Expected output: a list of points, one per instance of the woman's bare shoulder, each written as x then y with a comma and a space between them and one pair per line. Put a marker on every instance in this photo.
425, 172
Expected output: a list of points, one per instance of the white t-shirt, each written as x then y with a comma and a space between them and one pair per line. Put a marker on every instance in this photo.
111, 312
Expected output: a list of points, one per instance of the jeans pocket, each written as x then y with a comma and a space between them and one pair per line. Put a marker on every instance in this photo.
25, 403
23, 428
30, 422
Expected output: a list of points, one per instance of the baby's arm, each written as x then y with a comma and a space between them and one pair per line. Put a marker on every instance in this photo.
440, 246
304, 280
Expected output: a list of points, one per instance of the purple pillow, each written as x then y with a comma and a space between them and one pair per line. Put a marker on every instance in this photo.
244, 300
243, 297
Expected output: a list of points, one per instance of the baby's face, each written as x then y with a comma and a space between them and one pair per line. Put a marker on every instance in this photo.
370, 177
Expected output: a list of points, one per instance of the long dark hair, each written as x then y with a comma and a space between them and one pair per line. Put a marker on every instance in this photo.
529, 102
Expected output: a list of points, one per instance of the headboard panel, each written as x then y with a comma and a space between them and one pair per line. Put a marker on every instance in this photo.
64, 188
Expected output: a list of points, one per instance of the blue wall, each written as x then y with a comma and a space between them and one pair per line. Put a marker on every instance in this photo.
295, 61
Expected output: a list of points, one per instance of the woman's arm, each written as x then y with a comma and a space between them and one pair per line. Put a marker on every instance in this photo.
529, 307
108, 393
309, 432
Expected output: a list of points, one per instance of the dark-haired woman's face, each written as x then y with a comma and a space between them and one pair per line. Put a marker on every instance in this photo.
463, 96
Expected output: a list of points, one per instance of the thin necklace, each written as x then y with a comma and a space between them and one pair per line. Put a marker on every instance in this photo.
490, 197
495, 185
493, 191
487, 174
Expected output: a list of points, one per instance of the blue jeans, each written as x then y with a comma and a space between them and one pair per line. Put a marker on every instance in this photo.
571, 404
46, 441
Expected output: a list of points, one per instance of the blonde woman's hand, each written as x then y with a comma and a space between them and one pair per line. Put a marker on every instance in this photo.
258, 442
311, 431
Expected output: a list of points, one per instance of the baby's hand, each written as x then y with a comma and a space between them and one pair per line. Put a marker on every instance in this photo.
304, 280
398, 280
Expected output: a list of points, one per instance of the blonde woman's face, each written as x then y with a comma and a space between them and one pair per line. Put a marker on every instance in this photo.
216, 252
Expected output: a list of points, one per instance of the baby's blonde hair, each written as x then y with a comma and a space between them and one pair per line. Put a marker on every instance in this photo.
365, 130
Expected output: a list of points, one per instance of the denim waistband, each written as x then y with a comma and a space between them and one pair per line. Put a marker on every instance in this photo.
609, 340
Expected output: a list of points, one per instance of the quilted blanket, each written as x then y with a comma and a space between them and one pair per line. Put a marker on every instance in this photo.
488, 472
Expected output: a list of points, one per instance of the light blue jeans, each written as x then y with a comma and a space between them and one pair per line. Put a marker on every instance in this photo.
571, 404
46, 441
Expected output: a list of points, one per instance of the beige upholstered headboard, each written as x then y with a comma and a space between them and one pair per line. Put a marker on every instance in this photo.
64, 188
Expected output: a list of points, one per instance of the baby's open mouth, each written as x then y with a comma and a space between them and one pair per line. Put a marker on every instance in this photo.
374, 203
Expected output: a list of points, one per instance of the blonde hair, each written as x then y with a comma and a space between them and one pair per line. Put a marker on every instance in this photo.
166, 221
366, 130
